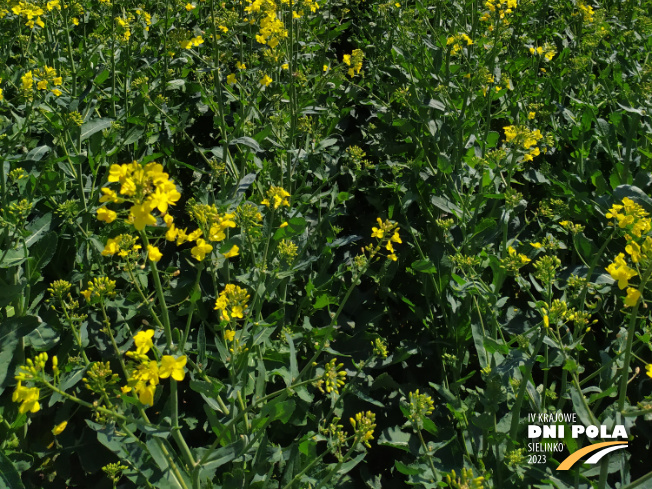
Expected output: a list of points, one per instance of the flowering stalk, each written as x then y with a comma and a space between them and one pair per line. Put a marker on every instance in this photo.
630, 339
516, 410
165, 318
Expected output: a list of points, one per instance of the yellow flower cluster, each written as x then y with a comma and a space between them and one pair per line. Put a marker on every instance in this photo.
28, 397
145, 374
232, 302
211, 221
420, 406
522, 136
332, 379
514, 261
632, 218
586, 11
387, 232
276, 197
147, 18
457, 41
101, 287
272, 29
147, 187
303, 4
499, 9
124, 26
364, 425
354, 62
32, 13
124, 245
189, 43
559, 312
548, 51
44, 79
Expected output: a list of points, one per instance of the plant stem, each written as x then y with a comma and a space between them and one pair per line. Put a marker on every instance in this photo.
165, 318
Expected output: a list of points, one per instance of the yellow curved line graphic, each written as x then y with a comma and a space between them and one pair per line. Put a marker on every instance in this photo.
575, 456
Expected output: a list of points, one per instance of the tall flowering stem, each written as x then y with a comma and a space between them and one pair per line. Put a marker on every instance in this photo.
165, 317
630, 340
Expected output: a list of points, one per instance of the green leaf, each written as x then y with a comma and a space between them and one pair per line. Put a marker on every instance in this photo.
423, 266
279, 410
8, 474
38, 228
249, 142
13, 258
394, 437
42, 338
10, 292
404, 469
41, 254
99, 79
323, 301
37, 153
91, 127
492, 139
11, 331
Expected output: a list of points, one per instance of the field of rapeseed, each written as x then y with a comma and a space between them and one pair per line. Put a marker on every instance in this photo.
325, 243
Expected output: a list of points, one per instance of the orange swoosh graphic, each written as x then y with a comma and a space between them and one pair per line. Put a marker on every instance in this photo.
574, 457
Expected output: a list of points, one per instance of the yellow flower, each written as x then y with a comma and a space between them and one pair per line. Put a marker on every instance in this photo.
325, 68
265, 81
173, 367
27, 81
143, 341
229, 334
199, 251
285, 66
235, 297
75, 21
146, 394
140, 215
57, 92
106, 215
633, 295
284, 224
648, 369
279, 195
634, 250
153, 253
378, 232
231, 79
240, 66
190, 6
531, 115
28, 397
536, 245
510, 133
620, 271
234, 251
58, 429
196, 41
546, 321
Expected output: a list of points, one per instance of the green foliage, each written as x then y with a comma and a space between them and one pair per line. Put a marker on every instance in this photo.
334, 244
